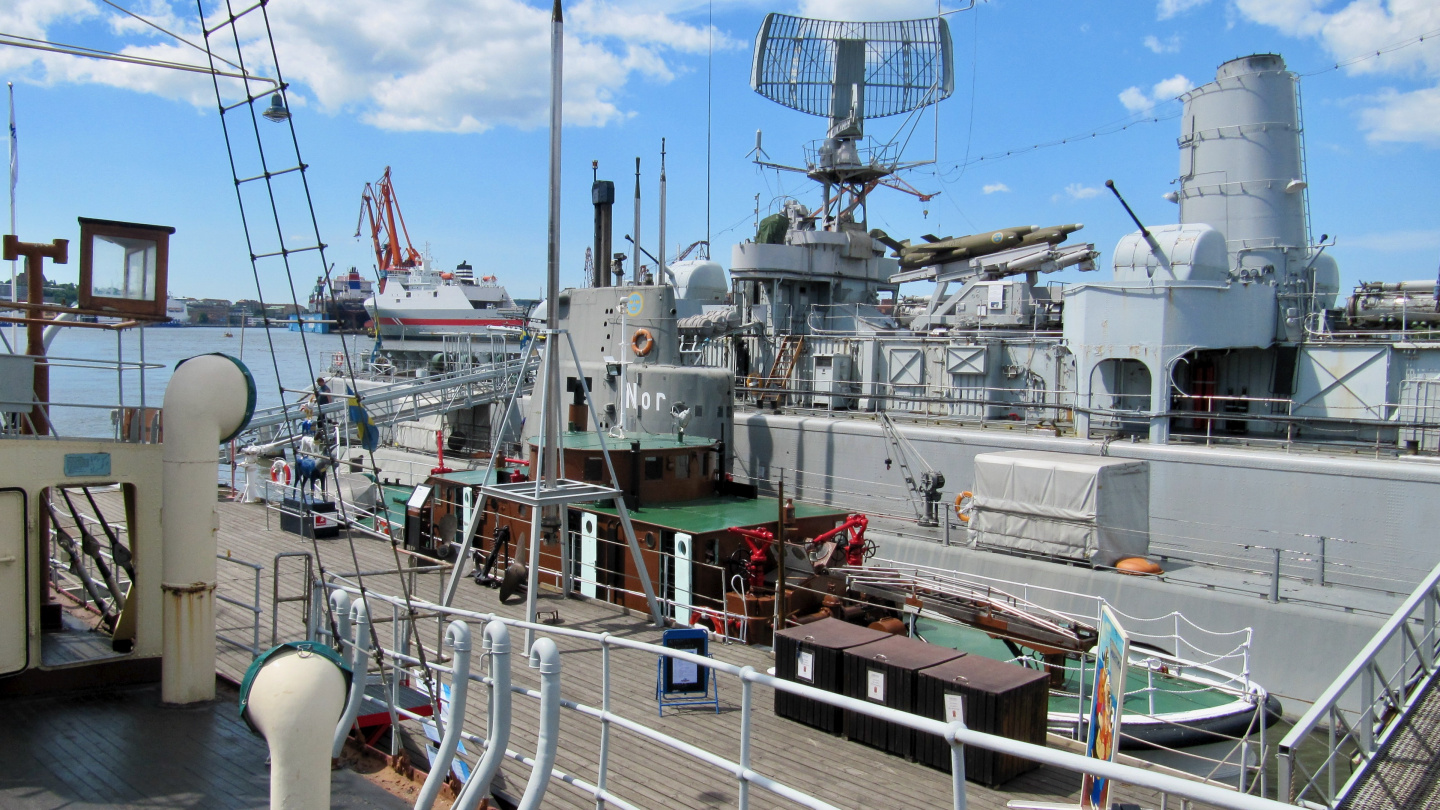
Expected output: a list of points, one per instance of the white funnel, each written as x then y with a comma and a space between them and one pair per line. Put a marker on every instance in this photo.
210, 398
293, 697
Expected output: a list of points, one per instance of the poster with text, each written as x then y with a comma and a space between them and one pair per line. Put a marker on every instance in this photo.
1106, 704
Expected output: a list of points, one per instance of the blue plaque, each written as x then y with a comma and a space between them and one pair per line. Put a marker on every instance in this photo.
86, 464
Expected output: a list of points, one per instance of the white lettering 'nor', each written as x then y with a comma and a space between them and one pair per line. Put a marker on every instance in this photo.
634, 395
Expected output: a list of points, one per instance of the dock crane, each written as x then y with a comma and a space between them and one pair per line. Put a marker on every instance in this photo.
379, 204
925, 492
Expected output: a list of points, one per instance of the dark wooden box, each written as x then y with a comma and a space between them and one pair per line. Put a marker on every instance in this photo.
825, 642
894, 663
309, 518
1007, 700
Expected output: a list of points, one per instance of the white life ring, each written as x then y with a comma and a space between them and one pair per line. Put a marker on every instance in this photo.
280, 470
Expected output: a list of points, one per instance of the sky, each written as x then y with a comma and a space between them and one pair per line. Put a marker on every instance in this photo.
1051, 99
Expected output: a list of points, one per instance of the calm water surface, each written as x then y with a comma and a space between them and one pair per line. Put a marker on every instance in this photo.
74, 384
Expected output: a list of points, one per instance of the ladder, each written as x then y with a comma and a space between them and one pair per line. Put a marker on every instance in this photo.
772, 388
264, 153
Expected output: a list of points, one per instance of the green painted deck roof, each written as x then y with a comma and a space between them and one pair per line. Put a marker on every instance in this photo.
395, 498
590, 440
466, 477
719, 513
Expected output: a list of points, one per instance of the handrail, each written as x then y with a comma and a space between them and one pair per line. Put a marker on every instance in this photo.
1400, 686
956, 733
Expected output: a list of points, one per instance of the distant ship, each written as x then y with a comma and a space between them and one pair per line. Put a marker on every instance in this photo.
340, 304
414, 299
419, 302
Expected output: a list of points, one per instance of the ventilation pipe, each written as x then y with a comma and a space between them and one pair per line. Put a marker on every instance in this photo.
602, 194
209, 400
340, 609
544, 656
496, 645
458, 637
358, 615
293, 701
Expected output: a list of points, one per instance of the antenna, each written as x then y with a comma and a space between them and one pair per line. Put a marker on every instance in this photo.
848, 72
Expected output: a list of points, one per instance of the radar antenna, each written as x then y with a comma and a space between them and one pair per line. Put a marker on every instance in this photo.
848, 72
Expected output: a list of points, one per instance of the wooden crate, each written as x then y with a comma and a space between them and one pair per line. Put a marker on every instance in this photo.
1007, 700
821, 644
886, 672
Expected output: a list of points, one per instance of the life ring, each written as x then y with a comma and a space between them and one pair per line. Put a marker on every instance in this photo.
280, 470
960, 499
642, 342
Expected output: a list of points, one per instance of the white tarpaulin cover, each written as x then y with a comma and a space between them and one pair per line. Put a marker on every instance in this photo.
1087, 508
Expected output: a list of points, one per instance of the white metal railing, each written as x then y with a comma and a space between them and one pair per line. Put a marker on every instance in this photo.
1385, 679
252, 607
741, 768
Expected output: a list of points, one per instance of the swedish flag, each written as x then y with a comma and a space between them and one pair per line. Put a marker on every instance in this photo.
365, 429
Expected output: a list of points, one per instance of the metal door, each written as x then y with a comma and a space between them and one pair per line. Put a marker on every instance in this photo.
684, 556
588, 551
14, 583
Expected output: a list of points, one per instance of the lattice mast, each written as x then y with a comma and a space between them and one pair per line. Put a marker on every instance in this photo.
849, 72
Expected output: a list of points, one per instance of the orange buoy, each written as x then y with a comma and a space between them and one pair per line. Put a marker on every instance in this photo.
1138, 566
642, 342
960, 505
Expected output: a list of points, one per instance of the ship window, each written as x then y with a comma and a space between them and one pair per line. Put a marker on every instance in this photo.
593, 468
654, 470
705, 465
682, 466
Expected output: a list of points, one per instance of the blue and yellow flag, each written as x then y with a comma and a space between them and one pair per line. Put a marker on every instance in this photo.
365, 429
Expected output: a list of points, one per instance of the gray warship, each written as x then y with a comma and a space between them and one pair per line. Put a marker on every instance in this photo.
1286, 436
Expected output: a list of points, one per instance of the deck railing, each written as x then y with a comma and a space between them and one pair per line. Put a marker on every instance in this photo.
1385, 680
741, 768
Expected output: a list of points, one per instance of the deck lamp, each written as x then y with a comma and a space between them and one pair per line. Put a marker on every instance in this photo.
123, 267
277, 111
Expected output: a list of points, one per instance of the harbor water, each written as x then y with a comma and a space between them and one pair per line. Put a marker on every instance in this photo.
86, 386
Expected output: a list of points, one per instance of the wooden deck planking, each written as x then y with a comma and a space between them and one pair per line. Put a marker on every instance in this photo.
645, 773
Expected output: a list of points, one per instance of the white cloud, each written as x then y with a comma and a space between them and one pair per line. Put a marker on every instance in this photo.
435, 65
1170, 44
995, 188
1076, 191
1137, 100
1362, 27
1166, 9
1412, 117
867, 10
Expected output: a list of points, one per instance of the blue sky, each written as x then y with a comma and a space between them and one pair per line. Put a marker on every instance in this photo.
452, 95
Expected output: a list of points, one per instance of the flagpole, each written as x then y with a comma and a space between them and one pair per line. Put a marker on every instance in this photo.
14, 176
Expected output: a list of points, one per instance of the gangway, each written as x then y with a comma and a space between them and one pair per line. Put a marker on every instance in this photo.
1369, 740
426, 396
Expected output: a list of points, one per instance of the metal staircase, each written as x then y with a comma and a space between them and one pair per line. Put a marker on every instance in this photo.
772, 387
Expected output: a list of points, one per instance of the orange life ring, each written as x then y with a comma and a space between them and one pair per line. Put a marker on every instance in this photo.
278, 470
642, 342
959, 499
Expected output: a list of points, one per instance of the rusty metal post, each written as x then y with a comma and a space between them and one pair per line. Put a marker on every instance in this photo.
780, 548
35, 253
